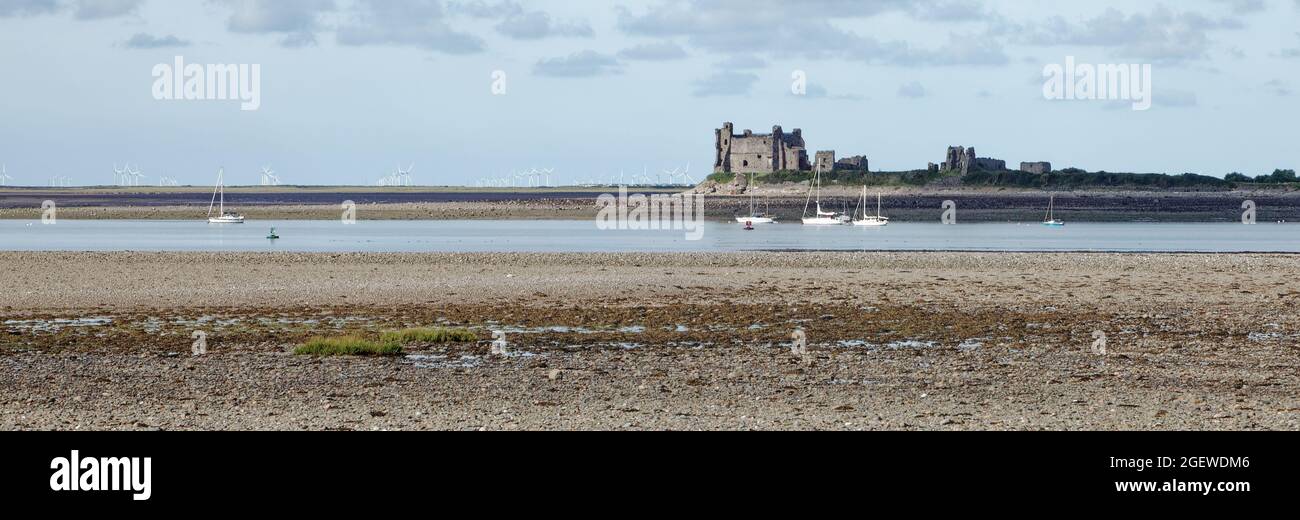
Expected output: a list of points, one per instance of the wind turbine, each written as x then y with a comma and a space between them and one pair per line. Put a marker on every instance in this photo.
269, 178
686, 175
119, 175
4, 175
404, 176
127, 176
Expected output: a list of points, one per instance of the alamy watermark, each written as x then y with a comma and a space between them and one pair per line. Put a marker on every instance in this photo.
683, 211
49, 213
499, 83
1086, 81
349, 212
224, 82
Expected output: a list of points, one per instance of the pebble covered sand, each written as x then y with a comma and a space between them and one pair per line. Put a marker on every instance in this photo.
654, 341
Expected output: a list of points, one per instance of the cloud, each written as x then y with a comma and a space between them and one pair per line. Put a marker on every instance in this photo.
13, 8
913, 90
578, 65
1161, 36
520, 24
297, 21
148, 41
783, 29
537, 25
1278, 87
815, 91
665, 51
417, 23
102, 9
725, 83
1292, 52
1244, 6
1167, 98
482, 9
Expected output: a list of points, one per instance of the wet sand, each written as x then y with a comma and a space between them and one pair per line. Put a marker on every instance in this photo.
654, 341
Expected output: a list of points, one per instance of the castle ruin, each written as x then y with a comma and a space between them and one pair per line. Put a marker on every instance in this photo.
962, 159
759, 153
778, 151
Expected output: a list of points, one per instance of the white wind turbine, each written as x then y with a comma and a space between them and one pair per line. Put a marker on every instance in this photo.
672, 175
404, 176
269, 178
4, 175
119, 175
135, 174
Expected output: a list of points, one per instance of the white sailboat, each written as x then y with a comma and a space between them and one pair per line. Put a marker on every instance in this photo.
1051, 220
754, 216
868, 220
223, 216
822, 218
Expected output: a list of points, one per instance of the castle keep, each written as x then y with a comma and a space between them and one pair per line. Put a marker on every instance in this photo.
759, 153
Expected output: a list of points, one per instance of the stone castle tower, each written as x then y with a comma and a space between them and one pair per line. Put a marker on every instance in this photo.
759, 153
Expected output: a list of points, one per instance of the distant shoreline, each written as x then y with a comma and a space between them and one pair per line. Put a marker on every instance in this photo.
786, 201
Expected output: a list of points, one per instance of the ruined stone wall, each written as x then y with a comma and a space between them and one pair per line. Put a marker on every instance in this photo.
1039, 167
824, 161
962, 159
856, 163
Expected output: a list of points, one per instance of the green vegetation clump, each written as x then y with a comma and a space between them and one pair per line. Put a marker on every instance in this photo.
722, 177
1076, 178
348, 346
1278, 177
429, 335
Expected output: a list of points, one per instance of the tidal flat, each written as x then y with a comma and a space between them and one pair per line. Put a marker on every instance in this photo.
653, 341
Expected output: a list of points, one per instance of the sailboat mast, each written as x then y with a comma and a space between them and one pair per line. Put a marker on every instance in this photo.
877, 204
751, 194
214, 193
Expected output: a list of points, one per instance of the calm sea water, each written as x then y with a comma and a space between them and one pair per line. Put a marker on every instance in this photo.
583, 236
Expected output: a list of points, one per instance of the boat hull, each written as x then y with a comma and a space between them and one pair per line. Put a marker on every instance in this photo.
871, 223
756, 220
226, 220
1054, 223
822, 221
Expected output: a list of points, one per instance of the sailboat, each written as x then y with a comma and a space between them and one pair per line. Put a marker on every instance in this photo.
822, 218
1050, 220
755, 217
868, 220
223, 216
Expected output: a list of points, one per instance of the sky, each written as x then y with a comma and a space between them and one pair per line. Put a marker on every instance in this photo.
475, 89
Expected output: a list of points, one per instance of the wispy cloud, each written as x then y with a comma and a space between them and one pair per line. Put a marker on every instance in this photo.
664, 51
296, 21
102, 9
148, 41
578, 65
913, 90
15, 8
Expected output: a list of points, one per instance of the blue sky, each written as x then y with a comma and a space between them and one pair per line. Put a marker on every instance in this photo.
350, 88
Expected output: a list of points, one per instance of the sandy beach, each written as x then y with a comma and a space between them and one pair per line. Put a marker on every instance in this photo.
654, 341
